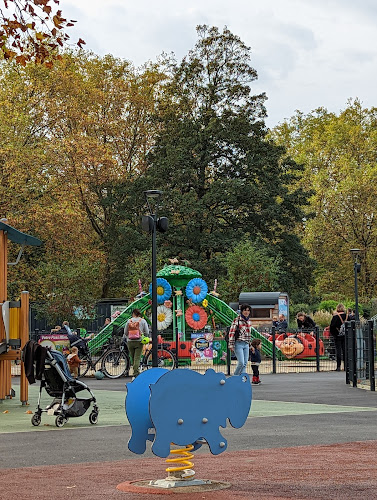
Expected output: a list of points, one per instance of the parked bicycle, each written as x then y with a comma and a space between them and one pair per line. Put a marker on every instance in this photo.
115, 360
165, 357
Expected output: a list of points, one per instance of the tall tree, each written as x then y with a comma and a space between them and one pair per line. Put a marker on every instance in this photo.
101, 129
223, 178
73, 139
339, 153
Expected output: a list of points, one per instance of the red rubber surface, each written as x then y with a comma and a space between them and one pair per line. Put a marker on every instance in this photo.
344, 471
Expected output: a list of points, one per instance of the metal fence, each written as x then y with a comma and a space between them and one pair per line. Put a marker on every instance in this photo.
317, 354
360, 354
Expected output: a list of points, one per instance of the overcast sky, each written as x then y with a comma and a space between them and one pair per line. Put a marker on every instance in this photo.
308, 53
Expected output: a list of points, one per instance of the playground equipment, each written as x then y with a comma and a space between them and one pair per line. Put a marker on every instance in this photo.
186, 308
158, 411
14, 327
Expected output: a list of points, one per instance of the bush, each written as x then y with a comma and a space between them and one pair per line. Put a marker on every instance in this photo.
328, 305
296, 308
322, 318
351, 304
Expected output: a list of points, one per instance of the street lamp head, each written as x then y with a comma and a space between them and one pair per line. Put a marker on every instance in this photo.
355, 252
152, 193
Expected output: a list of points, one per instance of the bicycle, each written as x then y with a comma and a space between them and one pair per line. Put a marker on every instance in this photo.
165, 357
115, 361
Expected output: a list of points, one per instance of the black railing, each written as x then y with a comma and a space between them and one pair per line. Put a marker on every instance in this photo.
360, 354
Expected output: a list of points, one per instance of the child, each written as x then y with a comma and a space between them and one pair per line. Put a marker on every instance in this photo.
255, 359
74, 362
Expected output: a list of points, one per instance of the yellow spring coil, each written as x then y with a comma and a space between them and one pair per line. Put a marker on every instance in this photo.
185, 460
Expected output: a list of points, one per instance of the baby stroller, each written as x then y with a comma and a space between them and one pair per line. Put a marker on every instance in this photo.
60, 385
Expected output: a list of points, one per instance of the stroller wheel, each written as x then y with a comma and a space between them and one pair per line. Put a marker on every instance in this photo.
93, 417
60, 421
36, 419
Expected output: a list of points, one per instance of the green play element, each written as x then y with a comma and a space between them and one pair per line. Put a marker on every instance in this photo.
178, 276
104, 335
225, 314
219, 351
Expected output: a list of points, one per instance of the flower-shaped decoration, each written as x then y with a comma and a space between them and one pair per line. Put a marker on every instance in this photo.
205, 303
168, 303
164, 317
178, 312
196, 317
163, 290
196, 290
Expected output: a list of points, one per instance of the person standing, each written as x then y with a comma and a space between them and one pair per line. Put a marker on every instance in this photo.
256, 360
240, 338
135, 328
74, 361
339, 317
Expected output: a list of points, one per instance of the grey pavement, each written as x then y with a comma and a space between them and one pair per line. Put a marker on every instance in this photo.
304, 423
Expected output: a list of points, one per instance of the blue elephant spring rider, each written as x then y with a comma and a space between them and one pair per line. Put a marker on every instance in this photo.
184, 408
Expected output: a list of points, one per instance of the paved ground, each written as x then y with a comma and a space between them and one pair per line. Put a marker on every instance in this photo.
307, 436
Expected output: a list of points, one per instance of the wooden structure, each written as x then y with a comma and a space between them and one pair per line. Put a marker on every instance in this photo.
14, 322
265, 305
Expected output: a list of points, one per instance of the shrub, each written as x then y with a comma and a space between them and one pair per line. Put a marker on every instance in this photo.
322, 318
328, 305
296, 308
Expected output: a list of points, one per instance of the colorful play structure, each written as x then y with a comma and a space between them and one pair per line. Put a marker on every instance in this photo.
196, 318
14, 326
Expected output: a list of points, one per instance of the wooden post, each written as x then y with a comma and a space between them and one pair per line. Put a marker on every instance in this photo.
24, 336
4, 365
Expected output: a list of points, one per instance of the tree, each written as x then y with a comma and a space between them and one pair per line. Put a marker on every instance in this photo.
223, 178
101, 129
33, 30
339, 153
249, 268
73, 140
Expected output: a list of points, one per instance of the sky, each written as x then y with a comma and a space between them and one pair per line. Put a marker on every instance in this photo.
307, 53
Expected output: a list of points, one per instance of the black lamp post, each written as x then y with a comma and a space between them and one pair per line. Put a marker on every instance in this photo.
355, 252
152, 224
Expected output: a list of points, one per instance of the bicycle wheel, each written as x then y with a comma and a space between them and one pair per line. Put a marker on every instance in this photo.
115, 363
84, 366
165, 359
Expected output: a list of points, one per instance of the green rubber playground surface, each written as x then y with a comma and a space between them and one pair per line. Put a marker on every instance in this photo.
14, 416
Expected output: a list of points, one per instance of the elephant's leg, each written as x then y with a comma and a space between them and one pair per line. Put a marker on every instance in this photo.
138, 440
216, 442
161, 447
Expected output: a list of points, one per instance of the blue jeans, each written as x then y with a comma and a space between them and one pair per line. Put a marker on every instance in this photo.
241, 350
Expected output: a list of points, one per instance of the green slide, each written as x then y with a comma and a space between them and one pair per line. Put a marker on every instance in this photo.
101, 338
225, 314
